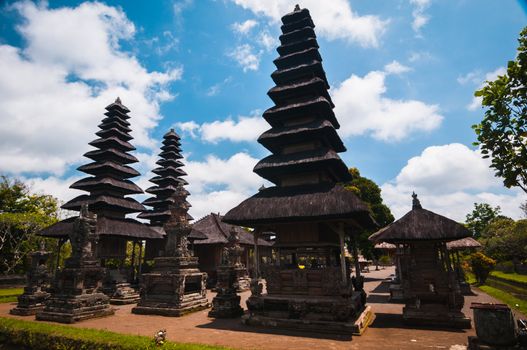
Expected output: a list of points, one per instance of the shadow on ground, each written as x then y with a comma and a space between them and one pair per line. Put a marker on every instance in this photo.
236, 326
383, 320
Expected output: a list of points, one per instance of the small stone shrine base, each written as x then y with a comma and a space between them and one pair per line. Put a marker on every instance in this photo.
334, 315
176, 287
243, 279
30, 303
226, 306
122, 294
70, 309
435, 315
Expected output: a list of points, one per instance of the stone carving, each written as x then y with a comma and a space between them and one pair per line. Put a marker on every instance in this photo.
75, 292
35, 291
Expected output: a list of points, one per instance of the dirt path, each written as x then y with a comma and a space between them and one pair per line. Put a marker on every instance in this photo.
387, 332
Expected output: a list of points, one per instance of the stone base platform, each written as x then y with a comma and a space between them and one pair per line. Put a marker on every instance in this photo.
122, 294
70, 309
435, 317
357, 327
191, 303
475, 344
30, 304
226, 306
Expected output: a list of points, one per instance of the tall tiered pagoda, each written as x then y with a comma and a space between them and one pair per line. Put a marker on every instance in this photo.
175, 286
311, 214
109, 186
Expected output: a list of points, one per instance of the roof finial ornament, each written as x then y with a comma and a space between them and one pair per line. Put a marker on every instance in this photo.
261, 188
297, 8
416, 204
118, 100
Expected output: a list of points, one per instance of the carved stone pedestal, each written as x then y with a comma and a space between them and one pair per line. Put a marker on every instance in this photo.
75, 293
435, 315
226, 304
35, 291
174, 288
76, 297
243, 281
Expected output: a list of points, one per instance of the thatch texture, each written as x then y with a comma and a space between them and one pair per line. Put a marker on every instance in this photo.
421, 224
300, 203
217, 231
105, 226
464, 243
385, 246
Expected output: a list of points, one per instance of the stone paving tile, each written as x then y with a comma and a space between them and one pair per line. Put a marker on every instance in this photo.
387, 331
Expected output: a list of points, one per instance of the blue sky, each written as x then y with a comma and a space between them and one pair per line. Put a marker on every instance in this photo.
402, 73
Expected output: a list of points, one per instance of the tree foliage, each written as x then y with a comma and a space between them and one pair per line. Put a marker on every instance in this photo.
481, 266
22, 215
506, 240
480, 217
502, 134
370, 193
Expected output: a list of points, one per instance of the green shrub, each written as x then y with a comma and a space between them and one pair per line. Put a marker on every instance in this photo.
385, 260
481, 266
505, 266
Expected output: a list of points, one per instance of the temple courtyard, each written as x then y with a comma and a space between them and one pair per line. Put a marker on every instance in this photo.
386, 332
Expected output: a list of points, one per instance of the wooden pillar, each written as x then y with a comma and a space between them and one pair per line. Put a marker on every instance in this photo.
140, 259
355, 257
342, 255
132, 263
60, 242
256, 233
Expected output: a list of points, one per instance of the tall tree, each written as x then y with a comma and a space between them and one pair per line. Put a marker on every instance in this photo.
22, 215
480, 217
502, 134
369, 192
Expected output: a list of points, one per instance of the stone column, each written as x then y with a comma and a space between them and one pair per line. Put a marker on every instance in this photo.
342, 256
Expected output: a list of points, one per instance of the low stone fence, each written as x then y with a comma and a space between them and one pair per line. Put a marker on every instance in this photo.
515, 288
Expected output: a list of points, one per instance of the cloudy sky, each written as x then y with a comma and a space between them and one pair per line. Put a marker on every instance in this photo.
402, 77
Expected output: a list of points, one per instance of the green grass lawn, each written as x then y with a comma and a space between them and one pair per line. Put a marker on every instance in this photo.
513, 302
514, 277
39, 335
9, 295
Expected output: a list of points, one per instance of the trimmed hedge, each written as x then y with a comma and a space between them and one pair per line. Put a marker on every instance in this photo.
10, 295
45, 336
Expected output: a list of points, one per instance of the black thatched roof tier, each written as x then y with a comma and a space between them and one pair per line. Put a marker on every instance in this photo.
168, 183
318, 106
109, 168
111, 154
295, 58
273, 167
297, 46
217, 232
102, 203
107, 227
109, 185
275, 138
295, 16
323, 202
300, 22
297, 35
311, 86
289, 75
421, 225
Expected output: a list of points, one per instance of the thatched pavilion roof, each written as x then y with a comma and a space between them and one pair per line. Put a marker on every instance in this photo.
464, 243
106, 227
420, 224
385, 246
217, 231
300, 203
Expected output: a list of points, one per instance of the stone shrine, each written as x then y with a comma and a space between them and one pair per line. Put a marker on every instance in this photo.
35, 291
226, 303
75, 292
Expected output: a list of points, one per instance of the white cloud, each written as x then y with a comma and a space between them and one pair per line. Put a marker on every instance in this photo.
417, 56
244, 27
246, 57
233, 181
448, 180
489, 76
267, 41
362, 108
239, 130
54, 90
216, 88
418, 14
395, 67
334, 19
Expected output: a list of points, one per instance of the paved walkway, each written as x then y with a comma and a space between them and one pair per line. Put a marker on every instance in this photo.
387, 331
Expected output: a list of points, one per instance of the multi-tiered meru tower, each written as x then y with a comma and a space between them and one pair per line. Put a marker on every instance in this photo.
175, 286
309, 211
108, 187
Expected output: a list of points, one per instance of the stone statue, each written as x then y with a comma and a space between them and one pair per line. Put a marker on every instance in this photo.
83, 237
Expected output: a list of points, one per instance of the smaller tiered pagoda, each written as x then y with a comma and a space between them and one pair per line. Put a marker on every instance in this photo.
109, 187
175, 286
429, 282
